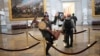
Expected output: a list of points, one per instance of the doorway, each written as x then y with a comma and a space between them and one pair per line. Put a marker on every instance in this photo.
68, 7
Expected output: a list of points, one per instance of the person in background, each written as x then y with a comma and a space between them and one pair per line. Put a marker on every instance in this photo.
68, 27
75, 20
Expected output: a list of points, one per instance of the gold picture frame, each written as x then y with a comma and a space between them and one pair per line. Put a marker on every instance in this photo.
96, 8
26, 9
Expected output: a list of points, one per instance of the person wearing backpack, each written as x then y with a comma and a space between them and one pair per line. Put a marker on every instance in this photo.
68, 26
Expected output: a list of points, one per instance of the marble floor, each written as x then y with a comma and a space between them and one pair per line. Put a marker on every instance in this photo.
24, 40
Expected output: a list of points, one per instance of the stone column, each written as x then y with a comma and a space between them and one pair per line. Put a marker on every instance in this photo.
84, 12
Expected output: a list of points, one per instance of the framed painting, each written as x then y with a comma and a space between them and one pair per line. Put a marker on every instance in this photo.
96, 7
26, 9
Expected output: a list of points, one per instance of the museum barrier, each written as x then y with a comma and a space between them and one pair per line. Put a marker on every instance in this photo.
52, 46
66, 52
79, 32
96, 29
75, 52
34, 37
23, 49
40, 40
12, 33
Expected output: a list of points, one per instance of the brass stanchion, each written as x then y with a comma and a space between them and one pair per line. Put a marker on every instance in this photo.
27, 38
88, 36
27, 32
44, 45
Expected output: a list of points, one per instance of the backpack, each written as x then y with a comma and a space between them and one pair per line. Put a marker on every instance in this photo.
68, 24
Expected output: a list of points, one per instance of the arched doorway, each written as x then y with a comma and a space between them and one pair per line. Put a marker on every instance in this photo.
68, 7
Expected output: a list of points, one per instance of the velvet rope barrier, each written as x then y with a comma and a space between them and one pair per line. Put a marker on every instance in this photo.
34, 37
79, 32
75, 52
73, 33
12, 33
96, 29
70, 53
11, 50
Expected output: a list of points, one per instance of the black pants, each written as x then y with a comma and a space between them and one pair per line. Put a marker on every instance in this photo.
75, 23
48, 38
68, 35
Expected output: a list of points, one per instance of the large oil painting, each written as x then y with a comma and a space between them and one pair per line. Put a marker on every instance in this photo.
96, 7
25, 9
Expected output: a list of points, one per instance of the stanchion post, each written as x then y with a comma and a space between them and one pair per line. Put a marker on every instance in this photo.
44, 45
27, 38
27, 32
88, 36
